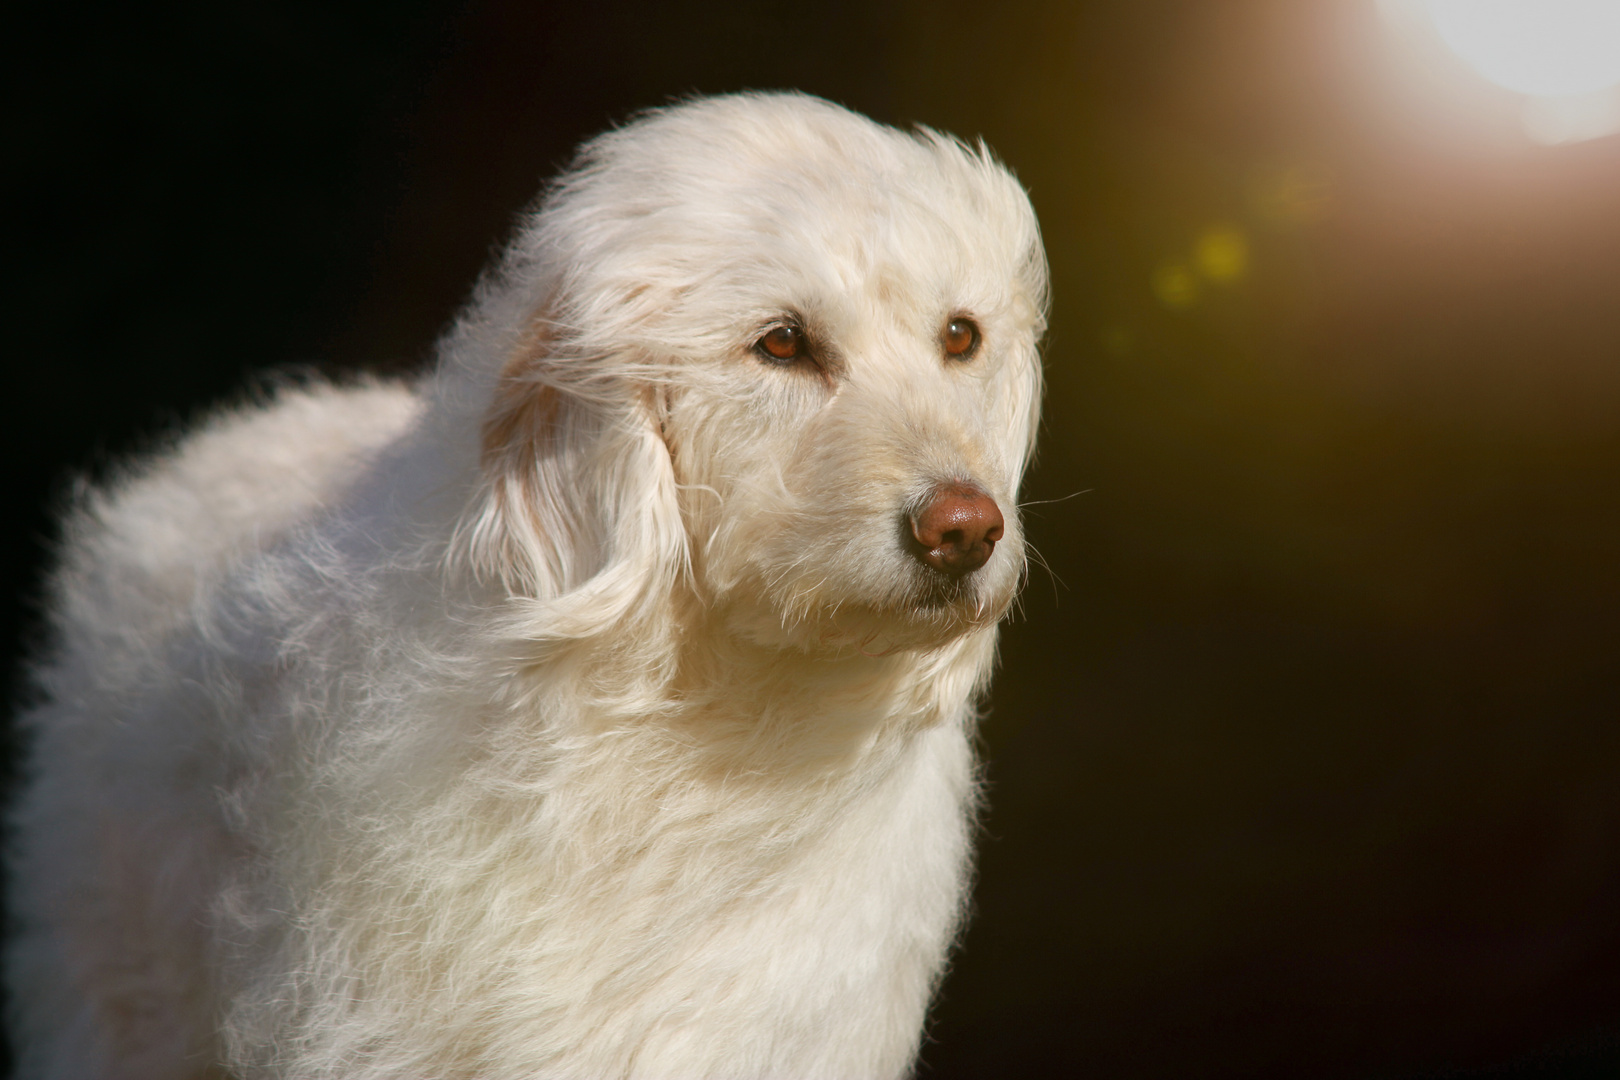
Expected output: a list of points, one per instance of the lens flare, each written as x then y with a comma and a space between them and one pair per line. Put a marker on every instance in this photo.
1553, 120
1296, 194
1547, 48
1175, 285
1222, 253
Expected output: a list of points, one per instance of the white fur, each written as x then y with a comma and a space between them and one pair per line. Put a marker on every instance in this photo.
579, 713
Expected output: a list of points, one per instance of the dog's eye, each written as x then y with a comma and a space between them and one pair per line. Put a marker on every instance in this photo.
961, 338
783, 344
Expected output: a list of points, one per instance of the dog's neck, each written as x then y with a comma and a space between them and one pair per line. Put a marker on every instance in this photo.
756, 706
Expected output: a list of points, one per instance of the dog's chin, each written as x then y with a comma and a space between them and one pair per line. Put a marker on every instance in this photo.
931, 611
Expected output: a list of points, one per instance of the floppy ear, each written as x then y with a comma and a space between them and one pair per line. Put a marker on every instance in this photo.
578, 508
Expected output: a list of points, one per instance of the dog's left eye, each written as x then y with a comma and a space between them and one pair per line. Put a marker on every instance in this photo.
961, 338
783, 345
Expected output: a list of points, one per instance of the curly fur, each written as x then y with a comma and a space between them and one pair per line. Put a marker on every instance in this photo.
579, 712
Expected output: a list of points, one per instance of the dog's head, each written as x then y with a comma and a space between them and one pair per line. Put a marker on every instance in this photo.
785, 352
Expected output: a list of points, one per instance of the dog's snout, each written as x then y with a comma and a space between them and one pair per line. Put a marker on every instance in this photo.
956, 528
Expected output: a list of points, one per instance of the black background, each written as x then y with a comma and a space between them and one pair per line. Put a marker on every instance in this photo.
1305, 753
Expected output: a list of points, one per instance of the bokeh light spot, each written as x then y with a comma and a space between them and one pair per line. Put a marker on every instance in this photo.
1296, 194
1222, 253
1118, 341
1175, 285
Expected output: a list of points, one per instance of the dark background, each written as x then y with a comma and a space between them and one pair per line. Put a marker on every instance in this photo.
1304, 756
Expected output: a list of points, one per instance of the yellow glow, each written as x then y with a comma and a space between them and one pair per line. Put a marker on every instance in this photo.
1175, 286
1222, 253
1296, 195
1118, 341
1549, 48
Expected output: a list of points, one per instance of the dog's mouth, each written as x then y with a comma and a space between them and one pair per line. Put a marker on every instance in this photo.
926, 609
934, 613
936, 591
955, 604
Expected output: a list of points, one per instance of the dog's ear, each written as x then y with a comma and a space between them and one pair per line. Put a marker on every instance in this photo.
579, 507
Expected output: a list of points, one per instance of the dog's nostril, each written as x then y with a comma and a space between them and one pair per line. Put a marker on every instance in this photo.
956, 528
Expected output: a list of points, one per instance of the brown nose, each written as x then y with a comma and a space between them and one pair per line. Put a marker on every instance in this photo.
956, 529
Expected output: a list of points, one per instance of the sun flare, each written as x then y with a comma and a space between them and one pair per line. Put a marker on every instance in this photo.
1546, 48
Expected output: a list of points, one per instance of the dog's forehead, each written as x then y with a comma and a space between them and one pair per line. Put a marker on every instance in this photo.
733, 210
898, 197
900, 221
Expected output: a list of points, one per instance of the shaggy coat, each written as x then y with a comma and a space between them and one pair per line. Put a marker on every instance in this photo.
591, 709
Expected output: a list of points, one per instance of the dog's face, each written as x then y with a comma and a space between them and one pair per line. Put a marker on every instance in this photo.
867, 365
837, 325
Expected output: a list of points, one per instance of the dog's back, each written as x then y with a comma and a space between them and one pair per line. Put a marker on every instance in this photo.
139, 549
117, 851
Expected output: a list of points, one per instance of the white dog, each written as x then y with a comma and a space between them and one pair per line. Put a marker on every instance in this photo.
601, 707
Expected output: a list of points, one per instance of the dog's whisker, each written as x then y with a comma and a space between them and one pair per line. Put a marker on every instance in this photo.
1048, 502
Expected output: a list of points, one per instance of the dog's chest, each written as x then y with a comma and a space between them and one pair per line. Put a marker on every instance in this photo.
733, 929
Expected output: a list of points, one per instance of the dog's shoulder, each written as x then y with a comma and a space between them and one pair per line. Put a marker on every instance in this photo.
138, 547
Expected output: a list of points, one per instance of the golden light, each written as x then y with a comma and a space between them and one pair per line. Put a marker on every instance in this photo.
1222, 253
1175, 285
1296, 194
1562, 55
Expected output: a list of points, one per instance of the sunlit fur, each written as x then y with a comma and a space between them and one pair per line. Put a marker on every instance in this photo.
579, 713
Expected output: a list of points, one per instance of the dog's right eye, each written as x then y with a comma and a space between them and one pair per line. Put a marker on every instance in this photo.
783, 345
